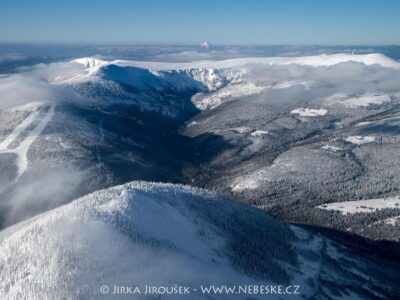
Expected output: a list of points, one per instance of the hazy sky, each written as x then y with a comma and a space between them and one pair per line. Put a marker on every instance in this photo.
192, 21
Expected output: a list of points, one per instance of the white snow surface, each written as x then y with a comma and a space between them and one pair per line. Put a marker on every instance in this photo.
242, 129
359, 140
360, 124
259, 133
205, 44
364, 206
227, 93
35, 116
332, 148
91, 62
309, 112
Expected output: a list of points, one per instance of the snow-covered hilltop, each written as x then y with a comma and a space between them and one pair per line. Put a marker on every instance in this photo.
142, 233
161, 234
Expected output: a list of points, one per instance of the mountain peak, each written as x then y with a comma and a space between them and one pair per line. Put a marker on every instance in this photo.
91, 62
205, 44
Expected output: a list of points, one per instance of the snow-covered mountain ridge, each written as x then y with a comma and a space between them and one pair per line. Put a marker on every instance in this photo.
208, 71
130, 233
143, 81
184, 77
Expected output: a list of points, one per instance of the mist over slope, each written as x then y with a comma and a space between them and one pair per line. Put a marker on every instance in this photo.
161, 234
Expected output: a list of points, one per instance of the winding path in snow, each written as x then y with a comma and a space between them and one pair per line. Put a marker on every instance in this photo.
22, 149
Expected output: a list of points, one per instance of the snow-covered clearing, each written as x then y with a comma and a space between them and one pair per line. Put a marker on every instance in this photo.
243, 129
247, 183
332, 148
259, 133
309, 112
365, 206
359, 140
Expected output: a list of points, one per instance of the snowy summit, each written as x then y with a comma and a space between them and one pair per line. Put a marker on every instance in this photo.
205, 44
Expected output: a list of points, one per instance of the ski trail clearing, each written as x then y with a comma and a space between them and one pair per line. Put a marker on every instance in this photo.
22, 149
17, 130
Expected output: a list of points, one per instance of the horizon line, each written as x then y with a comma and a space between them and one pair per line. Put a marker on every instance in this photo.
192, 44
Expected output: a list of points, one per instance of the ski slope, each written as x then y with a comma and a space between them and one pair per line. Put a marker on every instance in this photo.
35, 123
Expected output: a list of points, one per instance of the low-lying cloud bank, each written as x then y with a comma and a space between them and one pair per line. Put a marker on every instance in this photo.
352, 78
17, 90
37, 84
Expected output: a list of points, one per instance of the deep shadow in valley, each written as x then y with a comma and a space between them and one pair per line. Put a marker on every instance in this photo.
87, 148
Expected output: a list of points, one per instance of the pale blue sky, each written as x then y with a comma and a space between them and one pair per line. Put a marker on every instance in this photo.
323, 22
